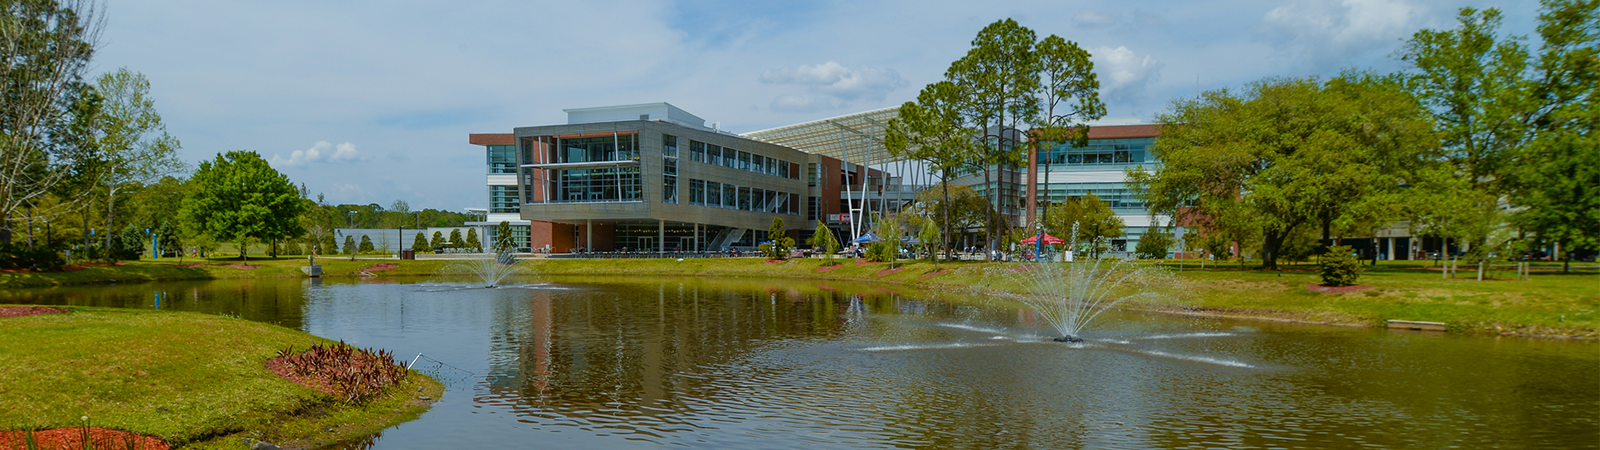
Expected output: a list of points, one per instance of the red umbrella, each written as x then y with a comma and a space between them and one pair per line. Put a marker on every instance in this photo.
1048, 240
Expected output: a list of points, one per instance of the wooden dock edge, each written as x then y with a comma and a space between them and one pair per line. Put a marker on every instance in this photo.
1416, 325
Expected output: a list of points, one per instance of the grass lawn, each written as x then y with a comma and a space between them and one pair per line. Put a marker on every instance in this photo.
193, 379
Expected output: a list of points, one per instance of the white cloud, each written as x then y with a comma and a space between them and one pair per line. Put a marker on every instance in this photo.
1091, 18
321, 151
1124, 74
831, 85
1327, 34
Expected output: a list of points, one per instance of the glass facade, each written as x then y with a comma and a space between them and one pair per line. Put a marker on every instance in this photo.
744, 198
502, 159
503, 199
669, 169
718, 156
619, 184
1101, 152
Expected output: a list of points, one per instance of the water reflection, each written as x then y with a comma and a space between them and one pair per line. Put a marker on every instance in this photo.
779, 364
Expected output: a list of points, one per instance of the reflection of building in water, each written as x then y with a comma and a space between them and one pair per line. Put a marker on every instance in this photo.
639, 349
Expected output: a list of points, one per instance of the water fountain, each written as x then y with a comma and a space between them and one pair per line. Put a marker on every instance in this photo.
1069, 295
491, 270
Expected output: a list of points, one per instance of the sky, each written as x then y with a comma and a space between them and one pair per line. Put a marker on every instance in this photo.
371, 102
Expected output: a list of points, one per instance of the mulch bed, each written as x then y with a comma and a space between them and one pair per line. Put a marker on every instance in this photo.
72, 438
241, 266
863, 262
890, 271
379, 267
19, 311
774, 261
1022, 268
828, 268
1336, 290
935, 274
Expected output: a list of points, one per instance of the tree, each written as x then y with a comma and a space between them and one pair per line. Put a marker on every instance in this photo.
472, 241
956, 208
350, 245
778, 241
455, 239
135, 148
239, 197
366, 244
1096, 222
1001, 73
45, 47
932, 130
1289, 153
438, 240
419, 243
887, 249
1154, 244
929, 234
823, 238
504, 242
328, 247
1070, 94
1340, 267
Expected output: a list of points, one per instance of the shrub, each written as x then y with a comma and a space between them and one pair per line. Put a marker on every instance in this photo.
39, 258
880, 252
1340, 266
352, 374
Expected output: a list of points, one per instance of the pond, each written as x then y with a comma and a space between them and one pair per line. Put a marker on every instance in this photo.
651, 362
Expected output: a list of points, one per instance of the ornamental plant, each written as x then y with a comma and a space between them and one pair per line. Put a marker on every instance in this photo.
1340, 266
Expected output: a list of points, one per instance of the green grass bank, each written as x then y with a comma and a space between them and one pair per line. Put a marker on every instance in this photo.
194, 380
1552, 303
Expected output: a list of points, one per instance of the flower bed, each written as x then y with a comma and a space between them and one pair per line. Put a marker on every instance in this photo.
19, 311
351, 374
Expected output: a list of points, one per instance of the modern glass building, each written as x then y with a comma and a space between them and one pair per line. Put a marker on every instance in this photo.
1059, 172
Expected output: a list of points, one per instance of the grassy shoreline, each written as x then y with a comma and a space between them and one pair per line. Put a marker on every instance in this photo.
1552, 304
195, 380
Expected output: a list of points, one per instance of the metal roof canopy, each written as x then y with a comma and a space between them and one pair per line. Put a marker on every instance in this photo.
831, 137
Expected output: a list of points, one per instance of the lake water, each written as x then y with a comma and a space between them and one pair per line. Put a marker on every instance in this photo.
647, 363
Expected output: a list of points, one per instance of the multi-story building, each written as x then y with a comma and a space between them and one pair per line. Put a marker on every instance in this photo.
1059, 172
651, 177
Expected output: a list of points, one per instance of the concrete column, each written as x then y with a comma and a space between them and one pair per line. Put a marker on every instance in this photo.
696, 240
588, 235
661, 238
1391, 249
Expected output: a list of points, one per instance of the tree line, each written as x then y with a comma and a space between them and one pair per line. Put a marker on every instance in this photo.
1482, 138
86, 163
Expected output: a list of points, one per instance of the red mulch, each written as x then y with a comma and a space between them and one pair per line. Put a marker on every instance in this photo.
863, 262
1336, 290
241, 266
379, 267
774, 261
935, 274
1021, 268
828, 268
189, 266
19, 311
890, 271
72, 438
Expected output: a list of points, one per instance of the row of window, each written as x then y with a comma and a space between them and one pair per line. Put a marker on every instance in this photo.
502, 159
744, 198
712, 154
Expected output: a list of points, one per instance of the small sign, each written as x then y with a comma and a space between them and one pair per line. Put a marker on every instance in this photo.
844, 217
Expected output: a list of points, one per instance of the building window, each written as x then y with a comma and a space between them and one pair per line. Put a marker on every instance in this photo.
503, 199
729, 156
812, 174
744, 198
697, 151
714, 194
697, 192
813, 209
755, 163
669, 145
669, 189
599, 148
598, 185
794, 204
730, 196
502, 159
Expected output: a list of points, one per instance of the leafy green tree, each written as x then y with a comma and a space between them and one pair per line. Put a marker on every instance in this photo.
419, 243
135, 148
778, 241
928, 232
504, 242
238, 197
438, 240
472, 240
1097, 223
46, 47
1069, 91
932, 130
1001, 76
1154, 244
455, 239
955, 207
1288, 153
888, 249
328, 246
823, 238
366, 244
350, 245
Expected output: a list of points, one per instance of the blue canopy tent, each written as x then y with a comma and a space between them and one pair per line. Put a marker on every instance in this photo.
866, 239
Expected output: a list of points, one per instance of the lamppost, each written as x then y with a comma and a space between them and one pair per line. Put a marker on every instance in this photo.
352, 219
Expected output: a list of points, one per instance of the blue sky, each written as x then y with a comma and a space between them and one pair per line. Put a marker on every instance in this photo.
369, 102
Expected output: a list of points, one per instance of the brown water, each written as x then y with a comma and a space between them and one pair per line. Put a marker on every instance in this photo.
781, 364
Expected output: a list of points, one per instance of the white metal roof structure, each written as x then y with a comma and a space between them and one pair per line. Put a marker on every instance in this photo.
851, 137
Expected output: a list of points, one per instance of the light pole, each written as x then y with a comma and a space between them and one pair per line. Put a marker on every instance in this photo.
352, 219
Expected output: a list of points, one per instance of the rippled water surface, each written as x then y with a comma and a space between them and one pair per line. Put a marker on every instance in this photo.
781, 364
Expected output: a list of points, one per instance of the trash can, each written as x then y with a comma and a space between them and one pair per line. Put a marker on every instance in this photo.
408, 254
